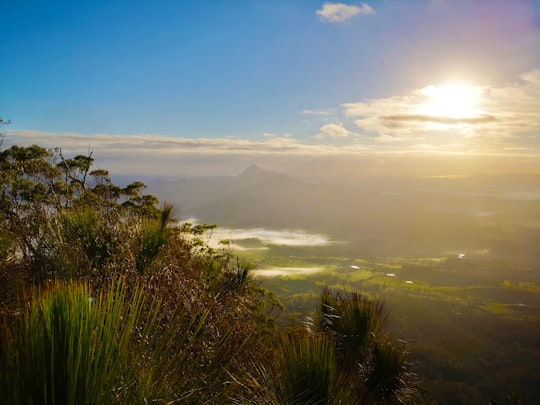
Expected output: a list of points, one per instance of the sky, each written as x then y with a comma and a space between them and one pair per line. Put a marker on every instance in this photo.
208, 87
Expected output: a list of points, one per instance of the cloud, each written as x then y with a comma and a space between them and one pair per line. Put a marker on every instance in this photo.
339, 12
154, 155
150, 143
333, 131
485, 116
392, 120
504, 121
270, 237
146, 157
321, 113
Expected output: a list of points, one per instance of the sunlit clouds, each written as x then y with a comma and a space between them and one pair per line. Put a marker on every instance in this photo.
340, 12
333, 131
483, 117
452, 101
295, 79
432, 108
154, 155
155, 144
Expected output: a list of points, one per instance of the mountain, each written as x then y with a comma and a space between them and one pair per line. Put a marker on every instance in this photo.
380, 215
255, 173
254, 193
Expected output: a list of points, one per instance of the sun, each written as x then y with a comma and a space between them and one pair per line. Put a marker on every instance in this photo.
452, 101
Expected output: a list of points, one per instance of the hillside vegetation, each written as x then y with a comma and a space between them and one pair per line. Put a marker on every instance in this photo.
105, 298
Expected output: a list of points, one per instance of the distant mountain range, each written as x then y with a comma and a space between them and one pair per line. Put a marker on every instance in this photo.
373, 213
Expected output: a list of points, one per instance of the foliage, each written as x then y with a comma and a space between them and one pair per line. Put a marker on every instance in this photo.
105, 299
341, 357
352, 319
66, 219
70, 347
61, 220
308, 368
154, 234
371, 367
73, 347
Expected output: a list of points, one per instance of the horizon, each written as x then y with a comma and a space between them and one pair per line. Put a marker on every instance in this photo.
389, 88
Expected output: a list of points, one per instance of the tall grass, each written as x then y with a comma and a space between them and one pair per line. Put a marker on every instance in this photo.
89, 244
69, 347
307, 369
153, 235
125, 345
371, 367
352, 319
388, 370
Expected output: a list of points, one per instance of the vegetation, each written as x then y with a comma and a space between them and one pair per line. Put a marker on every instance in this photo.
343, 357
106, 299
472, 324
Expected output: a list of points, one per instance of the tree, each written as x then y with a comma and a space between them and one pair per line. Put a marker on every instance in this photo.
47, 200
2, 133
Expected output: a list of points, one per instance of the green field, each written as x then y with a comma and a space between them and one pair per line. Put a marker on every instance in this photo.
471, 322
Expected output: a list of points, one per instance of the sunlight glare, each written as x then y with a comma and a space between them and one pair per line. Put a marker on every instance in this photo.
450, 101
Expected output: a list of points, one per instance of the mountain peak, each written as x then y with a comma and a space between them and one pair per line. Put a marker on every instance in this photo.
253, 172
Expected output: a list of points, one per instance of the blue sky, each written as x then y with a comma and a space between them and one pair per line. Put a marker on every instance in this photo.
273, 77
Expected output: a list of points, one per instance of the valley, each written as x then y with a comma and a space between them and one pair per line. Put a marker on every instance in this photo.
470, 323
454, 258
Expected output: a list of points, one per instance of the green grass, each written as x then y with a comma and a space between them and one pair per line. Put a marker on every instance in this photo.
70, 347
308, 369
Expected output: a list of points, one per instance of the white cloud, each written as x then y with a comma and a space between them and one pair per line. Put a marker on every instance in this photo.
321, 113
333, 131
339, 12
151, 144
270, 237
145, 157
154, 155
